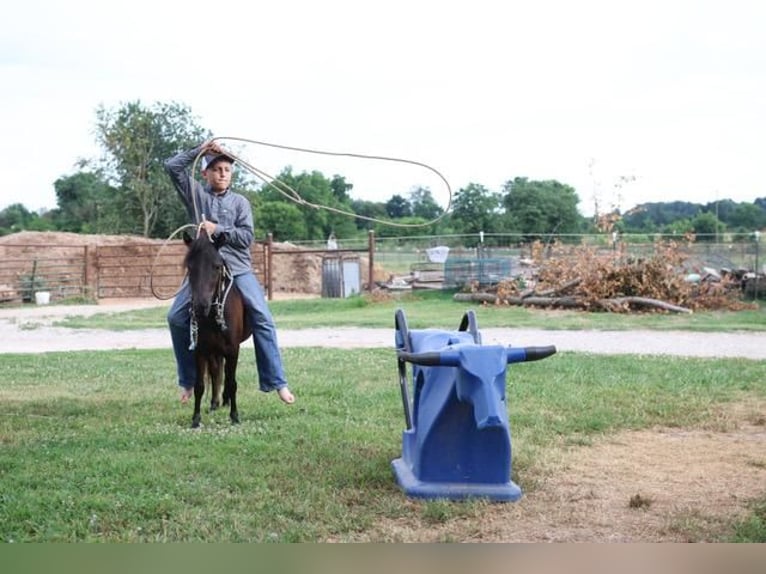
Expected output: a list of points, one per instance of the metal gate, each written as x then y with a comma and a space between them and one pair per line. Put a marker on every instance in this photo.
146, 270
27, 269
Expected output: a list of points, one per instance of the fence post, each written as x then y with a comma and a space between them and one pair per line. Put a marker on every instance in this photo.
757, 236
85, 272
269, 250
97, 283
371, 259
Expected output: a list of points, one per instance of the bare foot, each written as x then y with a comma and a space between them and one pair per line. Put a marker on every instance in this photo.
286, 396
186, 394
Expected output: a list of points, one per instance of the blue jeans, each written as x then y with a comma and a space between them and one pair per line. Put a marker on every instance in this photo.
271, 376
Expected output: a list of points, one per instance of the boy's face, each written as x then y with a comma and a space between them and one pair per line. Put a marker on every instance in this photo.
218, 175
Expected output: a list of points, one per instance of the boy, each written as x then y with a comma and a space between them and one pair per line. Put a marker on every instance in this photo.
229, 215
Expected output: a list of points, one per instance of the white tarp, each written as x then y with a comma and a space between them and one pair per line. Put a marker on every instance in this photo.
437, 254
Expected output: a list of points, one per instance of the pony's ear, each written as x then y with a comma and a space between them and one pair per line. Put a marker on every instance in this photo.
219, 240
187, 238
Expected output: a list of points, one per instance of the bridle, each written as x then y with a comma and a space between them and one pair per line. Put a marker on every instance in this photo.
224, 284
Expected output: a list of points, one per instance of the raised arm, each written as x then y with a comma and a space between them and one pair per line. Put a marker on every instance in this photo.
177, 167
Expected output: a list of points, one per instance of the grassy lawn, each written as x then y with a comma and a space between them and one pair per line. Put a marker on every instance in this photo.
96, 448
437, 309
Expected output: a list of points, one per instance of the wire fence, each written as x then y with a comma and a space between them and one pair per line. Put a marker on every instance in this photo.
400, 255
435, 261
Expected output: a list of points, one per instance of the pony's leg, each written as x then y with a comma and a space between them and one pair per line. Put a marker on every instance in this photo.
214, 369
225, 398
199, 390
231, 384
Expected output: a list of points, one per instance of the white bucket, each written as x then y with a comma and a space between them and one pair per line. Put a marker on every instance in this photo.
42, 297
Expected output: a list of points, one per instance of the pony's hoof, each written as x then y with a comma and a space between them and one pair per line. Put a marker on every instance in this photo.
195, 424
235, 419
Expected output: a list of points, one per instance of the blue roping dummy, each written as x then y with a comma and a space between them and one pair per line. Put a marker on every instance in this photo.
457, 443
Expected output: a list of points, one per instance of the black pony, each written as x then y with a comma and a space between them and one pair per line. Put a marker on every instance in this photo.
218, 323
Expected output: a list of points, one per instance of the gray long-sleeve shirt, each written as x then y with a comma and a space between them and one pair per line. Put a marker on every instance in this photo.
230, 211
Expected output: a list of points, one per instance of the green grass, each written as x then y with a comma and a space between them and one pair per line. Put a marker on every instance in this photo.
95, 446
437, 309
752, 528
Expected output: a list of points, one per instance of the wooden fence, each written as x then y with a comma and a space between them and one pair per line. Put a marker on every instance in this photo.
130, 270
133, 269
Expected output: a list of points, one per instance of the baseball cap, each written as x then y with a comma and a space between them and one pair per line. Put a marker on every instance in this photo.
210, 158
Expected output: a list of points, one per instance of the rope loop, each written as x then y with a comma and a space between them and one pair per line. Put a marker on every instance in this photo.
156, 258
291, 194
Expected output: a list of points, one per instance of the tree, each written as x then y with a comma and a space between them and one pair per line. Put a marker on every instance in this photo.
706, 226
403, 227
679, 227
137, 140
85, 203
315, 189
424, 205
637, 220
541, 207
474, 209
368, 209
747, 217
723, 209
15, 218
397, 207
283, 220
649, 216
340, 188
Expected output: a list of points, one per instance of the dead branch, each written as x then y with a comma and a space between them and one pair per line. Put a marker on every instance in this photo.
553, 291
612, 304
569, 302
644, 302
477, 298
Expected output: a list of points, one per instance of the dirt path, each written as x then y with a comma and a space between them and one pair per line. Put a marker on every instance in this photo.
29, 330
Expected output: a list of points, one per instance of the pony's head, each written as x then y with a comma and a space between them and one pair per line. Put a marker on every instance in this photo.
205, 267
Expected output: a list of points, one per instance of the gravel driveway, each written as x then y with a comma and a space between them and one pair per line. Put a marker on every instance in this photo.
29, 330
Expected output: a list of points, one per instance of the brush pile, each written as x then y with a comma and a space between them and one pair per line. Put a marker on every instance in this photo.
579, 277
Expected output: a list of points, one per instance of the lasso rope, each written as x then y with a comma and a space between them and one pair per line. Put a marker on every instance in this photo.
198, 227
157, 256
291, 194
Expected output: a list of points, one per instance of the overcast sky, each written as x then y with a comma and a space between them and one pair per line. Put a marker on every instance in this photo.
586, 92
